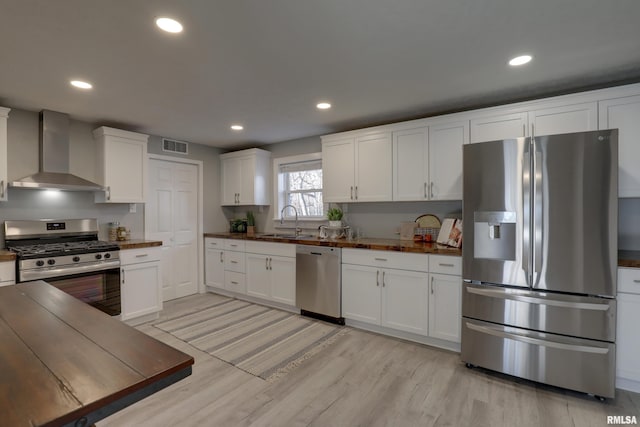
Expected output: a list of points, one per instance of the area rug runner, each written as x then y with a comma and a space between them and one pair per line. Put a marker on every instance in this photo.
263, 341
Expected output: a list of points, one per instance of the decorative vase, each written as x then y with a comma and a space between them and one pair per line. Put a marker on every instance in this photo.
335, 224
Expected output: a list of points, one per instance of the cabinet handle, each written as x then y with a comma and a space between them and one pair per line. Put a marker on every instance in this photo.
122, 275
425, 190
377, 277
266, 263
356, 192
431, 189
221, 258
142, 255
234, 283
431, 285
351, 192
108, 192
234, 262
442, 264
270, 266
2, 189
232, 245
524, 130
636, 281
533, 133
380, 259
383, 284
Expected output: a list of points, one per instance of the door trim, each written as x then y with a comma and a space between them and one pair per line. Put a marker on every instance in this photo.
199, 211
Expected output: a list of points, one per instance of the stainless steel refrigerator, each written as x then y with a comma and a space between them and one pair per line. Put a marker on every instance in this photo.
540, 259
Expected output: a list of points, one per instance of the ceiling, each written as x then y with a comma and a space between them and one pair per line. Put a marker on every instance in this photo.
265, 64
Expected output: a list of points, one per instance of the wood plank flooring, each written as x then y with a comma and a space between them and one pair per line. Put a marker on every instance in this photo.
363, 379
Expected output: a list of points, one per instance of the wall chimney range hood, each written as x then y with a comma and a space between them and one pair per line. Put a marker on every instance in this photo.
54, 158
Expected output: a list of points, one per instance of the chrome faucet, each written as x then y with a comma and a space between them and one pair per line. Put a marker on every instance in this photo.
296, 212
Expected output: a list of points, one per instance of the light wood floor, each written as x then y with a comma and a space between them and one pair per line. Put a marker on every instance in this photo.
363, 379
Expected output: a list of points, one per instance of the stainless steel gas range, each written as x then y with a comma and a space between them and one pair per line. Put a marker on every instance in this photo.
68, 255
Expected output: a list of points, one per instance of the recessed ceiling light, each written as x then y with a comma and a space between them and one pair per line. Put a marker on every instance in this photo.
80, 84
237, 127
323, 106
169, 25
520, 60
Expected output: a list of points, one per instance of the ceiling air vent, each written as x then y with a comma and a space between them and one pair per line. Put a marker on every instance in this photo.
175, 146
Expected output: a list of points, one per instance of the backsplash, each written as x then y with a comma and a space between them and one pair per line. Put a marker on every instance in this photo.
39, 204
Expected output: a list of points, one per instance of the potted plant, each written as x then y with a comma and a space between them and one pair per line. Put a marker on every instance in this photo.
251, 224
334, 215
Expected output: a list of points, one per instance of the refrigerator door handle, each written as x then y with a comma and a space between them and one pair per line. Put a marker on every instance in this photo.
542, 301
536, 341
538, 216
526, 212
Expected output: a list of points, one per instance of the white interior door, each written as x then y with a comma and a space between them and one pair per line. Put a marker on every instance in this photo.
171, 215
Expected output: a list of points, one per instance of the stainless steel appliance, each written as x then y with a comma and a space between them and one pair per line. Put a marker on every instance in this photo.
68, 255
318, 284
539, 259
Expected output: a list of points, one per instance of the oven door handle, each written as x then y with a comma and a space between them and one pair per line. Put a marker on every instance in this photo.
28, 275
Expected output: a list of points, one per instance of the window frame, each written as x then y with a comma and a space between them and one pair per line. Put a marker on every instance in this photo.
280, 192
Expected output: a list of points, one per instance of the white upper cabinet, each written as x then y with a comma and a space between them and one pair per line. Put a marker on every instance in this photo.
564, 119
338, 170
358, 168
4, 114
624, 114
245, 177
411, 164
445, 159
121, 165
498, 127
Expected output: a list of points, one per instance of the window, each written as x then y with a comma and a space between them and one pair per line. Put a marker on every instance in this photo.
300, 184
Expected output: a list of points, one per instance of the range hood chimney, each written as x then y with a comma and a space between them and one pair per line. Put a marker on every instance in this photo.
54, 158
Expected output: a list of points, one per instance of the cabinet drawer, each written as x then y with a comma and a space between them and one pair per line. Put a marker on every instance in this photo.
444, 264
7, 271
234, 245
270, 248
234, 261
386, 259
629, 280
213, 243
235, 282
134, 256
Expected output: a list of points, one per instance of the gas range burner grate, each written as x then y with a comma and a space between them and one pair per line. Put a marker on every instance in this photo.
69, 248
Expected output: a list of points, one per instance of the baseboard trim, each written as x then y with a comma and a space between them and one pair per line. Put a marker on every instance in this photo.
628, 385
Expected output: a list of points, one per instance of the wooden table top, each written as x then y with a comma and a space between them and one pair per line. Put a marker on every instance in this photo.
63, 361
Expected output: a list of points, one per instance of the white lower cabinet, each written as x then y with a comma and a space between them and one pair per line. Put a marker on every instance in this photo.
7, 273
445, 306
361, 294
140, 283
214, 262
405, 300
628, 344
271, 271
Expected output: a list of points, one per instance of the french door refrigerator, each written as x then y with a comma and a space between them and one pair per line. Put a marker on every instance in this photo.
540, 259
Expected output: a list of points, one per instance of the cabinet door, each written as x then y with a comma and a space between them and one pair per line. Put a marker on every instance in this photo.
283, 279
361, 293
445, 160
246, 192
445, 307
258, 276
499, 127
231, 177
405, 300
125, 170
214, 268
624, 114
627, 342
411, 164
338, 170
373, 168
565, 119
3, 153
140, 287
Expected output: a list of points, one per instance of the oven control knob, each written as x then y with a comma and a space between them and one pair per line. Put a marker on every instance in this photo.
40, 263
98, 256
51, 261
76, 258
107, 256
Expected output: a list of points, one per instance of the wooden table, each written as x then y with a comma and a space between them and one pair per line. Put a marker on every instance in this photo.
63, 362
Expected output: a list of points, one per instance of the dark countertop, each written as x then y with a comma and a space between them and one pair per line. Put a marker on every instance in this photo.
102, 364
7, 255
629, 259
138, 244
363, 243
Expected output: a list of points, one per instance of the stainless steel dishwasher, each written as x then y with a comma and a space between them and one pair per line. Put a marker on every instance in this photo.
318, 282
